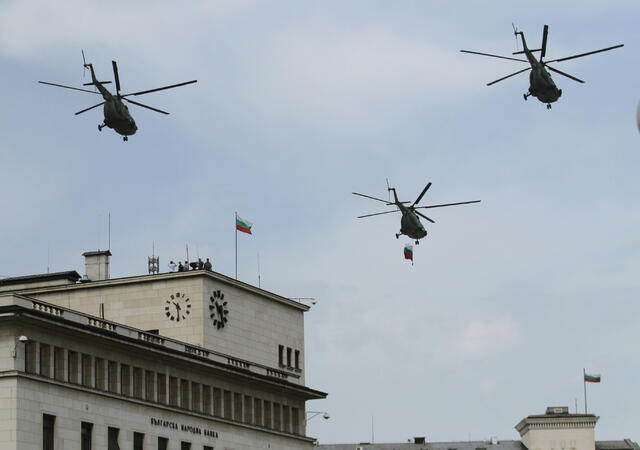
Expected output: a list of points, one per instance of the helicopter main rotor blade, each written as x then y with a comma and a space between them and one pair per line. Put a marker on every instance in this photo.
565, 74
68, 87
148, 107
586, 54
161, 88
91, 107
494, 56
373, 198
421, 194
545, 31
377, 214
448, 204
115, 75
422, 215
508, 76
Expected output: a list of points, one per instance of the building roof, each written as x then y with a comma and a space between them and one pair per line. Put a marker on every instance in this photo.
69, 276
462, 445
97, 253
625, 444
148, 279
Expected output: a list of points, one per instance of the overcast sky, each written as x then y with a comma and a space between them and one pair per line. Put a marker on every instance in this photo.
300, 103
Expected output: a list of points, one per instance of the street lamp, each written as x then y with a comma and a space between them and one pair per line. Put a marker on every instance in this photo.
325, 415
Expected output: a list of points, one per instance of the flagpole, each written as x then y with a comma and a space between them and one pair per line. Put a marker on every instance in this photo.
584, 381
235, 226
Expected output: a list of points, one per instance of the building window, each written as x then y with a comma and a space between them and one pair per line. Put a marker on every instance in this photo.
184, 394
288, 357
227, 405
257, 411
125, 379
297, 359
163, 443
268, 414
295, 420
185, 445
137, 382
207, 447
217, 402
86, 370
286, 418
45, 360
48, 423
85, 436
112, 376
248, 409
281, 355
138, 441
30, 357
277, 416
161, 381
150, 385
237, 406
58, 363
72, 366
112, 436
99, 375
206, 399
173, 391
196, 403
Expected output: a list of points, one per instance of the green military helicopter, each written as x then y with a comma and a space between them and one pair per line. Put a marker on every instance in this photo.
410, 224
540, 83
116, 113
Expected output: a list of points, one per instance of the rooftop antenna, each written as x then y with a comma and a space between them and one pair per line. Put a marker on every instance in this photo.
372, 429
48, 254
154, 261
187, 246
259, 287
109, 248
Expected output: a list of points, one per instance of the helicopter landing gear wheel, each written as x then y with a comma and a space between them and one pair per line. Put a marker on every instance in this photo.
548, 105
417, 242
125, 138
100, 127
397, 236
525, 97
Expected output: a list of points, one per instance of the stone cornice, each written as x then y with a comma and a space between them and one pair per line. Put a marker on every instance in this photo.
552, 422
162, 277
39, 310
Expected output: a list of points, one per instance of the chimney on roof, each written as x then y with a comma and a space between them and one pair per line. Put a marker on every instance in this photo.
97, 265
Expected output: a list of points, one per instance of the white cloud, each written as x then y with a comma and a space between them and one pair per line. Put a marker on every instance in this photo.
480, 338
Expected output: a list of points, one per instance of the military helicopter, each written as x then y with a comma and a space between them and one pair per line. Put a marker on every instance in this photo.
410, 224
116, 113
540, 83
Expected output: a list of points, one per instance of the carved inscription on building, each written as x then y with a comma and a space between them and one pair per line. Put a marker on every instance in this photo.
182, 427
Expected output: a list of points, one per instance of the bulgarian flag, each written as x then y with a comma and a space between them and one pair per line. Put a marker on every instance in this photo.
408, 252
243, 225
592, 378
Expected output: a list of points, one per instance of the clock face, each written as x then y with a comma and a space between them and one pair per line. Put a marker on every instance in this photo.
177, 307
218, 311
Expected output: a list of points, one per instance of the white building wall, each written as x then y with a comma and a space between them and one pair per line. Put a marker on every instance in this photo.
560, 439
8, 406
73, 406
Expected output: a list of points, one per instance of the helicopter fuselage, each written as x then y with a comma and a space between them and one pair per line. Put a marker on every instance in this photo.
410, 224
117, 116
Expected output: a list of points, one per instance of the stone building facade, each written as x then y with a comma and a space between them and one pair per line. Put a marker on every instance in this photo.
190, 361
